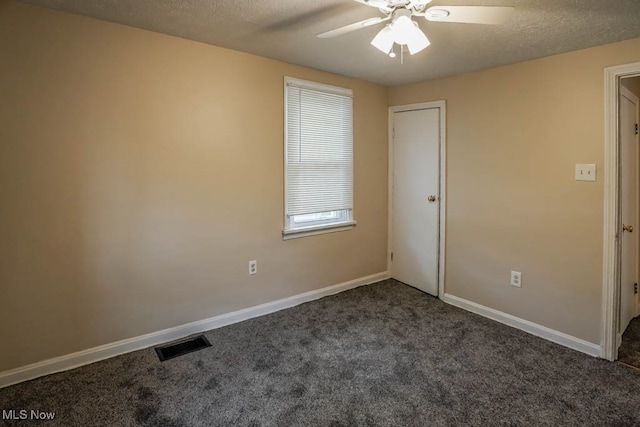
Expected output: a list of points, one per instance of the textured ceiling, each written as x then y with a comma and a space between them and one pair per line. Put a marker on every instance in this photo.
286, 29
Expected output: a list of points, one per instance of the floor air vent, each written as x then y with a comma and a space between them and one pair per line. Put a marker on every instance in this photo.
179, 348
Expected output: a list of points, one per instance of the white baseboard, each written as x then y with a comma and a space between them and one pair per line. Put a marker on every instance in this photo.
85, 357
525, 325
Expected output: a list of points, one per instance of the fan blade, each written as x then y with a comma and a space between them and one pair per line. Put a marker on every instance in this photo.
492, 15
380, 4
352, 27
418, 4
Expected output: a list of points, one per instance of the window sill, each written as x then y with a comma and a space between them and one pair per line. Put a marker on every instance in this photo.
318, 229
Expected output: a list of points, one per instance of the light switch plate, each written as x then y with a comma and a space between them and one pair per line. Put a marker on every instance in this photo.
585, 172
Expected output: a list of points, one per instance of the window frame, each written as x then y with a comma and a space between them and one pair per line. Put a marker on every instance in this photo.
315, 228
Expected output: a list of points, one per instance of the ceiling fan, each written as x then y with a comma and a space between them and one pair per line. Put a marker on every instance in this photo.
403, 30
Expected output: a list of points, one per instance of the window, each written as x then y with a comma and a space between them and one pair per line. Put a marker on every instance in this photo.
318, 151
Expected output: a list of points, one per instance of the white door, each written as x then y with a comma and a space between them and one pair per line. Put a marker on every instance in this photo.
415, 191
628, 188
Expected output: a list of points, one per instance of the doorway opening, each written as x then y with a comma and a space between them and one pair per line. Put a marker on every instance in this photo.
621, 249
628, 337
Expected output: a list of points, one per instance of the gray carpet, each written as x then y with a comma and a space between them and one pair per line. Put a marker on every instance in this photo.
629, 351
384, 354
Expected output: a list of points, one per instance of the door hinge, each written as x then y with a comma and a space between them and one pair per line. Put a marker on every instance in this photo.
636, 128
635, 288
391, 256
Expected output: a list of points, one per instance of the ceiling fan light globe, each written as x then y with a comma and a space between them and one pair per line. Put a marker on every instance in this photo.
418, 42
384, 40
402, 29
411, 35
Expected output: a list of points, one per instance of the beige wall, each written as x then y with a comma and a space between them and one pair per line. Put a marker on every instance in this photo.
140, 172
514, 135
139, 175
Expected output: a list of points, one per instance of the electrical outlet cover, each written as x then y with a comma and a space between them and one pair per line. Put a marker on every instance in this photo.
516, 279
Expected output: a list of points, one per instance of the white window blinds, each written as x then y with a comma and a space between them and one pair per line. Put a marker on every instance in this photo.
318, 148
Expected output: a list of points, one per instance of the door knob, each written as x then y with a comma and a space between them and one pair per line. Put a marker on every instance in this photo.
628, 228
431, 198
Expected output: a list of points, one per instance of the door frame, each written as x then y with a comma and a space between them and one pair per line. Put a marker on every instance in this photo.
612, 243
441, 105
